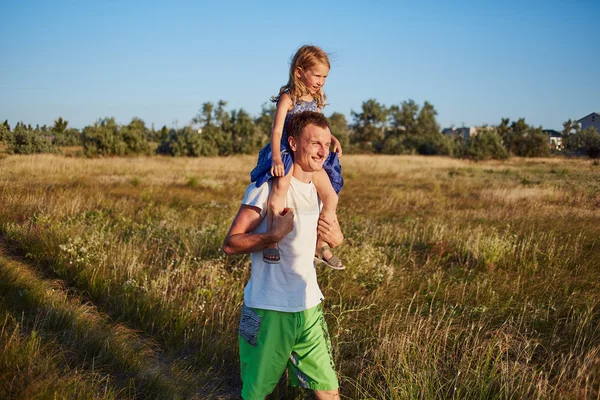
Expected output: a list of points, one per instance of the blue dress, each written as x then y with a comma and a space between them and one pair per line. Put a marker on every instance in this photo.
262, 172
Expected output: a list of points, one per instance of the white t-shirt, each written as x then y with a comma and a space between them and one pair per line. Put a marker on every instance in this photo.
291, 285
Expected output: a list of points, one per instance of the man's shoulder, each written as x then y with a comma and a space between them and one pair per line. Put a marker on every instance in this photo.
257, 196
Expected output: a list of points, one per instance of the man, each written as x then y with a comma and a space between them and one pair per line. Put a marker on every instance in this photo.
282, 320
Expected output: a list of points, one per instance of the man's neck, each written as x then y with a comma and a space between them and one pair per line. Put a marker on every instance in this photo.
301, 175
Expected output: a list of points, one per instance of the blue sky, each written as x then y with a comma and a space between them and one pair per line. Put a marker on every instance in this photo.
475, 61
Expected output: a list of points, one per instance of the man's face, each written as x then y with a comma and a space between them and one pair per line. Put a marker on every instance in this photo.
313, 149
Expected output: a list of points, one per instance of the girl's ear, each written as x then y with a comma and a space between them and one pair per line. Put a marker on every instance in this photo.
298, 72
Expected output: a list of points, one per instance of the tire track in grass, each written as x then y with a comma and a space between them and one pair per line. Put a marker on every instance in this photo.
34, 369
207, 377
87, 340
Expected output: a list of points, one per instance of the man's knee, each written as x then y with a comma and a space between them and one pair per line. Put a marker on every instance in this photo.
327, 394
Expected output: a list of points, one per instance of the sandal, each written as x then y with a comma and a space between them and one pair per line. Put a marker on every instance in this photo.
333, 261
271, 255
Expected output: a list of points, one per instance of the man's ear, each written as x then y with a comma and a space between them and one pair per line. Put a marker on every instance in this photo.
292, 143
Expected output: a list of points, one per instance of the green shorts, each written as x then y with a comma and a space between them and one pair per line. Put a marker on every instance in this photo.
271, 340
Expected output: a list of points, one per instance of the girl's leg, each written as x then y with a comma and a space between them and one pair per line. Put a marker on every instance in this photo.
276, 202
330, 201
326, 192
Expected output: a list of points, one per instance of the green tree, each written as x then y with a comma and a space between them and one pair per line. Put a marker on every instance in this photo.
26, 140
339, 129
134, 135
429, 138
427, 125
264, 123
244, 138
163, 131
570, 127
523, 140
204, 117
214, 142
188, 142
102, 138
513, 133
414, 129
503, 129
152, 135
486, 144
64, 136
516, 132
403, 119
221, 116
402, 128
214, 128
107, 138
60, 126
532, 143
583, 142
4, 131
369, 126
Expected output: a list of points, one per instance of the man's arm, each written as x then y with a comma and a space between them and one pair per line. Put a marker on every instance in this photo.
241, 240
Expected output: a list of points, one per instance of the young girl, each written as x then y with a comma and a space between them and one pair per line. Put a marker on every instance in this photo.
303, 92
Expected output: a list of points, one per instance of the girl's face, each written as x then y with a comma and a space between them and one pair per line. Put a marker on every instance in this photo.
314, 77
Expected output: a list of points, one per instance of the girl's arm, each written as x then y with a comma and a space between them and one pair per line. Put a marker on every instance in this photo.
337, 147
283, 106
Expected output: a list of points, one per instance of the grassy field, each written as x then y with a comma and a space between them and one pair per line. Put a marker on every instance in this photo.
464, 280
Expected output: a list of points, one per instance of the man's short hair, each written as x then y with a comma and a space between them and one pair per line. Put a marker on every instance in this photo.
301, 120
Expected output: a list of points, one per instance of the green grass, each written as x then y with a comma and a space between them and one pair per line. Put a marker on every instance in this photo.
464, 280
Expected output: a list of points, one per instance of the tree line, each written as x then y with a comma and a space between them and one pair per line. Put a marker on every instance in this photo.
406, 128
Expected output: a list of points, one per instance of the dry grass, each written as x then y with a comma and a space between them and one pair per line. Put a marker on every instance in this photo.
463, 280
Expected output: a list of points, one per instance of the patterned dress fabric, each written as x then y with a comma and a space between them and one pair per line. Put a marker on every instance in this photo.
262, 172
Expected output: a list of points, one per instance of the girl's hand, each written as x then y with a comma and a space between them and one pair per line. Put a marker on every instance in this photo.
277, 168
337, 147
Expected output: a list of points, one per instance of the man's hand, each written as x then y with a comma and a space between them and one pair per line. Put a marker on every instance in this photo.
283, 222
241, 240
329, 230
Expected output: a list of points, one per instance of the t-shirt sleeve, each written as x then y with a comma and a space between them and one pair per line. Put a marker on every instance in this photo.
257, 197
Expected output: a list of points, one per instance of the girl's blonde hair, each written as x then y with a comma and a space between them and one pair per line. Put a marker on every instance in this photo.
305, 58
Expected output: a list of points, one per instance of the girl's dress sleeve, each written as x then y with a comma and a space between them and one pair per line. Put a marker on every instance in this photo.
334, 170
262, 172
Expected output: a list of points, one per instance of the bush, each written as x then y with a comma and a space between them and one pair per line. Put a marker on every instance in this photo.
70, 137
433, 144
485, 145
25, 140
64, 136
534, 143
586, 142
4, 131
395, 145
106, 138
187, 142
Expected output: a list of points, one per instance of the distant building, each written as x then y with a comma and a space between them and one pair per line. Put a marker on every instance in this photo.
554, 139
592, 119
463, 132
